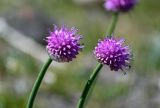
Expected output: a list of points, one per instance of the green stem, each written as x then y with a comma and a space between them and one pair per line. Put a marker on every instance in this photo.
97, 69
38, 83
113, 24
88, 86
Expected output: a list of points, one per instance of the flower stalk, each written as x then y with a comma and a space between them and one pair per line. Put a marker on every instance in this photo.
88, 85
38, 83
99, 66
113, 24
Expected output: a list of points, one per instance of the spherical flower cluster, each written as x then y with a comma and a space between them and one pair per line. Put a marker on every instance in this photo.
112, 52
119, 5
63, 44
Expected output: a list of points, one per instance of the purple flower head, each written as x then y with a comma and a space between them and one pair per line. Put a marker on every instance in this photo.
119, 5
63, 44
113, 53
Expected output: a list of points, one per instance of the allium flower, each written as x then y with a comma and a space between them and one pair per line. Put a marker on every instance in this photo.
119, 5
112, 52
63, 44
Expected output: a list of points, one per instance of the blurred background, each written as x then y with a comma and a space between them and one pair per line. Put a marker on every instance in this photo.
25, 23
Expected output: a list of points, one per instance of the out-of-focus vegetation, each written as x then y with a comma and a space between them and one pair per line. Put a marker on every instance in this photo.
62, 86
